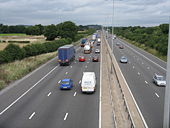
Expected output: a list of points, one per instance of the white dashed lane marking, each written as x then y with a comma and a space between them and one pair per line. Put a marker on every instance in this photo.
49, 94
75, 93
31, 115
146, 82
65, 117
157, 95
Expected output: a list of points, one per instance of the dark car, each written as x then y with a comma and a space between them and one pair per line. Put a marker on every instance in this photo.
121, 47
95, 59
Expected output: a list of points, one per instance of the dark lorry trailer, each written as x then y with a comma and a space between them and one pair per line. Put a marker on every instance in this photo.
66, 54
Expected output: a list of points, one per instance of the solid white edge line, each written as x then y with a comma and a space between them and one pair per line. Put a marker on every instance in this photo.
27, 91
156, 94
100, 97
49, 94
65, 117
146, 82
146, 126
31, 115
144, 56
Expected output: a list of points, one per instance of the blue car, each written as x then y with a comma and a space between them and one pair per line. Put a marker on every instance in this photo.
66, 84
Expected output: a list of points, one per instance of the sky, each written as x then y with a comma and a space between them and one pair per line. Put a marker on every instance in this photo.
85, 12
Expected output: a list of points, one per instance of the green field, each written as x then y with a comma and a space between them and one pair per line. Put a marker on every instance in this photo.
13, 34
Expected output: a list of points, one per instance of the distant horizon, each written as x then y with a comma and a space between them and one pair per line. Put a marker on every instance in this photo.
85, 25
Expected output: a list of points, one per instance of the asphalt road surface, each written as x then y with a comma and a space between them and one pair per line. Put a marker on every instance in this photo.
37, 102
138, 73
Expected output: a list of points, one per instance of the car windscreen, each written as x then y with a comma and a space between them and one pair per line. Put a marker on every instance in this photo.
160, 78
65, 82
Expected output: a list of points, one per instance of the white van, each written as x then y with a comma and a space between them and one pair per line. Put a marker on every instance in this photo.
88, 83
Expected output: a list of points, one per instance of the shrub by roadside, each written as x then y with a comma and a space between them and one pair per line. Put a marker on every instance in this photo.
13, 52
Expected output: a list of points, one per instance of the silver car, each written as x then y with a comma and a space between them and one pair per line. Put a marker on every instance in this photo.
97, 51
123, 59
159, 80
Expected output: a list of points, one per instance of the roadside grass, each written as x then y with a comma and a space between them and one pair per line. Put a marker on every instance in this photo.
150, 50
16, 70
13, 34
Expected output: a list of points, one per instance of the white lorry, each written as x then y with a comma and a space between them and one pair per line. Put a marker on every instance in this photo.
88, 83
94, 37
87, 49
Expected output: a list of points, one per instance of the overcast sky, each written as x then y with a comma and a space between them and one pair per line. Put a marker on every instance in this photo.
126, 12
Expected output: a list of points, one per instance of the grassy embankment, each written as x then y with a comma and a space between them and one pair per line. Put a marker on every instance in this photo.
15, 70
150, 50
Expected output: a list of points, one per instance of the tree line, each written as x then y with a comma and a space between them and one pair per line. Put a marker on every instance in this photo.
66, 29
152, 37
66, 32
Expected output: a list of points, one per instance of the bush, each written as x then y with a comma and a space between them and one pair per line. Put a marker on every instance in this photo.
18, 41
5, 57
15, 52
2, 84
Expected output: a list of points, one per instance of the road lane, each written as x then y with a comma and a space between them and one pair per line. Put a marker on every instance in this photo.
47, 106
139, 73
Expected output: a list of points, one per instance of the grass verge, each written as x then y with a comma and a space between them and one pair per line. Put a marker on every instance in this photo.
16, 70
150, 50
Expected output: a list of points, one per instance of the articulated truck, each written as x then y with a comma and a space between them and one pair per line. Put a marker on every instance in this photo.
66, 54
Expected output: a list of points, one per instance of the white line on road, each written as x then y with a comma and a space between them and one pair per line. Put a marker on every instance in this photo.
156, 94
31, 115
86, 66
145, 57
133, 67
27, 91
138, 73
146, 82
49, 94
65, 117
75, 93
80, 82
71, 66
59, 81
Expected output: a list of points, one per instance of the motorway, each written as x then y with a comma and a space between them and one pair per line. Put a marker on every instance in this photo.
37, 102
138, 74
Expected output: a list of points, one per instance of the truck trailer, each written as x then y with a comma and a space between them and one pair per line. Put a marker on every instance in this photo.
66, 54
87, 49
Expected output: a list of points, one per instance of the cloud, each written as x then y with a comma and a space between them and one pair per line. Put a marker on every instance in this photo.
126, 12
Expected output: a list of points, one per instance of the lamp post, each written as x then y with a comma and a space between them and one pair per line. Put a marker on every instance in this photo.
167, 89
